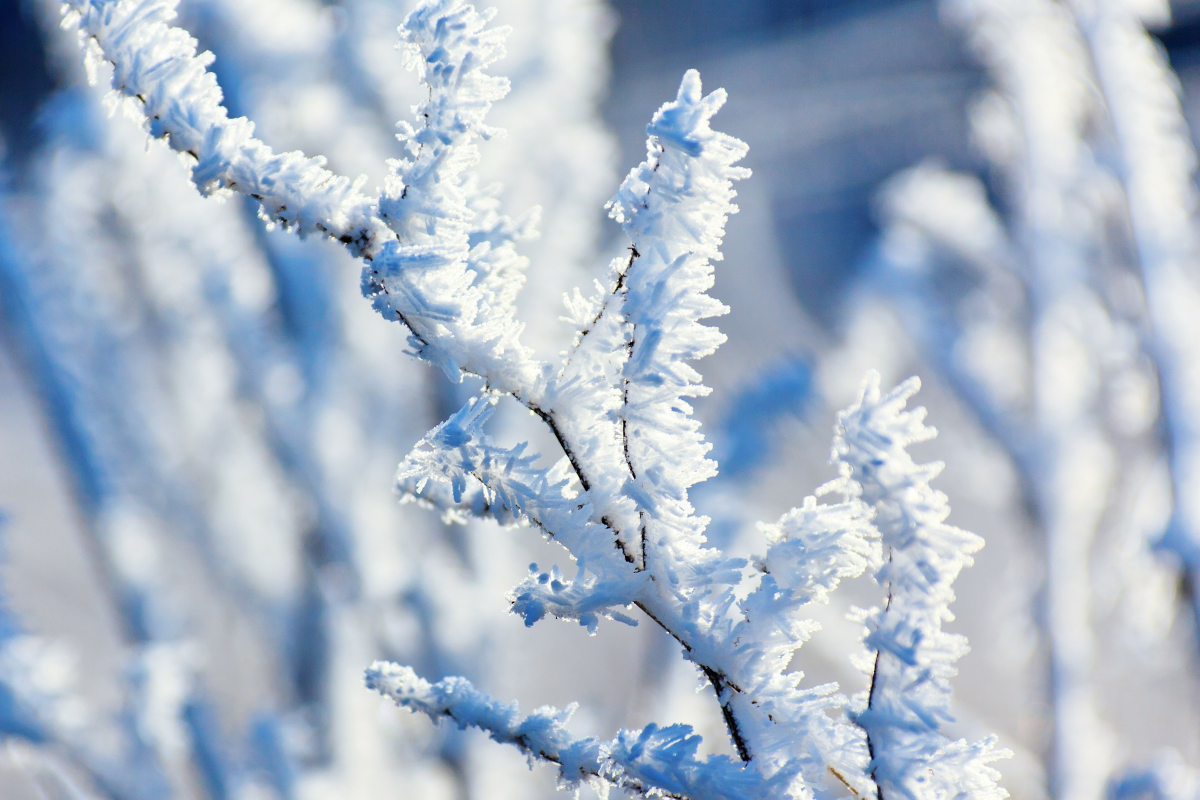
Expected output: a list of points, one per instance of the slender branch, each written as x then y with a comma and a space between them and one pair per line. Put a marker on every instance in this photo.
544, 735
548, 418
871, 703
719, 680
617, 287
720, 684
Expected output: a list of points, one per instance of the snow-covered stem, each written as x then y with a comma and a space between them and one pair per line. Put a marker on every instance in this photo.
157, 65
437, 287
908, 703
435, 278
652, 762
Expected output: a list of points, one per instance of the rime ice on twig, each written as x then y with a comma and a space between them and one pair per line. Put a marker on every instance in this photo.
655, 762
448, 269
434, 282
451, 282
157, 65
909, 700
513, 487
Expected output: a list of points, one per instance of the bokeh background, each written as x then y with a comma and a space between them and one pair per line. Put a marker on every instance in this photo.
200, 419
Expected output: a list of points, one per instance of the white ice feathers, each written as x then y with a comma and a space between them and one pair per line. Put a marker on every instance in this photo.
156, 64
443, 261
653, 761
909, 699
451, 275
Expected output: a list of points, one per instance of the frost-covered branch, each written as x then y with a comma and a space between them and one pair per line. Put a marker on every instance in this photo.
653, 762
513, 487
431, 282
673, 208
448, 267
157, 65
436, 278
627, 521
909, 700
